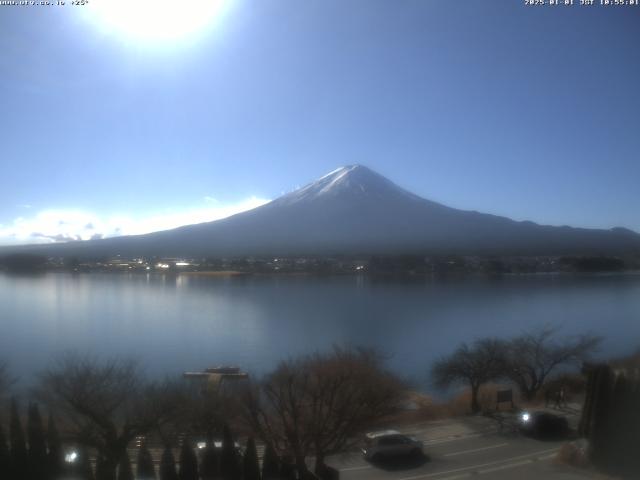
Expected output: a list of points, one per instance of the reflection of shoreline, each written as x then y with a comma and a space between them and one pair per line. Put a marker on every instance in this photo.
215, 273
236, 273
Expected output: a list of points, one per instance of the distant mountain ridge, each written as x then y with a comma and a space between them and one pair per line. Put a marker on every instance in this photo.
354, 210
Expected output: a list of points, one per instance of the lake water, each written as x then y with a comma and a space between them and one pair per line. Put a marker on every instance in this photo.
178, 323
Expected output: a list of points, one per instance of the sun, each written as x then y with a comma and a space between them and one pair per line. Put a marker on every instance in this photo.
155, 20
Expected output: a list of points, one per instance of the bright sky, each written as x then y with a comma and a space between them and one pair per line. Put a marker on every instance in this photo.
142, 119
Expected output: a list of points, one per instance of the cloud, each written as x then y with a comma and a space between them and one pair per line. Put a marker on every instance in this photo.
56, 238
59, 225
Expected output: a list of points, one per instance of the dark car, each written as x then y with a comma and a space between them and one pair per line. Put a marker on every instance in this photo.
390, 443
543, 425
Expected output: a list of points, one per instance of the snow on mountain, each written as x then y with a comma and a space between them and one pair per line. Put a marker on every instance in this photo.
351, 180
354, 210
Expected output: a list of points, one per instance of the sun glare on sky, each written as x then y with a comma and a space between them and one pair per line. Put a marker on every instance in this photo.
156, 20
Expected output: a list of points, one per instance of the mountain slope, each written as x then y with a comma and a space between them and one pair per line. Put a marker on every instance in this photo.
355, 210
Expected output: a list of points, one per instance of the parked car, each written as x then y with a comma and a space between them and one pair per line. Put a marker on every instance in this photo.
543, 424
390, 443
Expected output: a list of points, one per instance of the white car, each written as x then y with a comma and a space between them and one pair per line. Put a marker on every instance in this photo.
390, 443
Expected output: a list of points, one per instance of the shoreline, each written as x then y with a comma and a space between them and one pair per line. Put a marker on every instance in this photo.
209, 273
372, 275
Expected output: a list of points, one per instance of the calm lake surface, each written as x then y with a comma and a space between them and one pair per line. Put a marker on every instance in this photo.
178, 323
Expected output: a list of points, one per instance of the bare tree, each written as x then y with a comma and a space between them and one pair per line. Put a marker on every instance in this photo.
474, 365
107, 404
318, 404
203, 411
532, 357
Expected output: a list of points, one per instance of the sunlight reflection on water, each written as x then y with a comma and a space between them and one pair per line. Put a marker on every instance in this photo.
177, 323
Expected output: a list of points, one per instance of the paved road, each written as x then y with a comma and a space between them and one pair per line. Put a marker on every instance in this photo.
474, 448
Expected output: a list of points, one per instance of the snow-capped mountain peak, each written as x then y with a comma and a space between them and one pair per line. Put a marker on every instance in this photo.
350, 180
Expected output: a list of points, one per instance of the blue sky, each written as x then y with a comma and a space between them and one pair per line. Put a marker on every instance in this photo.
528, 112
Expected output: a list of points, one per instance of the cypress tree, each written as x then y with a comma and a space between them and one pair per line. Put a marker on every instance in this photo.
623, 457
251, 466
55, 461
82, 466
634, 421
101, 471
125, 472
229, 465
168, 465
188, 462
270, 464
37, 444
599, 432
209, 463
4, 455
145, 470
288, 469
17, 445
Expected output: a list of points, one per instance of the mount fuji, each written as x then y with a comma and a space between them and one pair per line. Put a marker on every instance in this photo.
354, 210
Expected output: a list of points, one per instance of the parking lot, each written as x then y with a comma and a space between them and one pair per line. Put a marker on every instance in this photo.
467, 447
